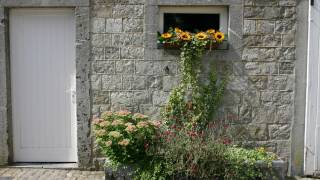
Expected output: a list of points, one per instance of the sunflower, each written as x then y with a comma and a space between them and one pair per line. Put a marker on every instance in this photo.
219, 36
201, 36
177, 30
211, 31
166, 35
185, 36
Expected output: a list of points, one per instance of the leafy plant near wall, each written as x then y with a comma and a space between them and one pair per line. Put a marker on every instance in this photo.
193, 103
123, 136
187, 143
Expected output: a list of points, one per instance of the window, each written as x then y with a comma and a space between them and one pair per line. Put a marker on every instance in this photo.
194, 19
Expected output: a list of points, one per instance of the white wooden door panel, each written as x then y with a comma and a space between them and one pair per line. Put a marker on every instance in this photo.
42, 54
312, 135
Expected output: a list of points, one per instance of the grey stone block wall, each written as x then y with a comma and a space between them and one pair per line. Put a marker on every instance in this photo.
129, 72
268, 59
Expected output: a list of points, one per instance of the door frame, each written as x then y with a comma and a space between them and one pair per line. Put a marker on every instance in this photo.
82, 60
309, 169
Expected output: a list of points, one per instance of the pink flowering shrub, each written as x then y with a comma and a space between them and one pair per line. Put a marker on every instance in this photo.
123, 136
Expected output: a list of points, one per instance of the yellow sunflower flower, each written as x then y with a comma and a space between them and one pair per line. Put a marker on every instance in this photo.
166, 35
219, 36
186, 36
211, 31
177, 30
201, 36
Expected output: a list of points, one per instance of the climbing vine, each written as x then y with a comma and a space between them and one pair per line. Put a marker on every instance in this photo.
193, 102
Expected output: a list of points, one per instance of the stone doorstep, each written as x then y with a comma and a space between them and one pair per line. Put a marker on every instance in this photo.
279, 168
61, 166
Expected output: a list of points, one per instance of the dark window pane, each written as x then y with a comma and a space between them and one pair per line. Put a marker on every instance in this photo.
191, 22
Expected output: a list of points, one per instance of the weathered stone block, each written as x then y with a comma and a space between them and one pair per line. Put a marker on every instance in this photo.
165, 67
248, 2
287, 53
264, 115
258, 82
132, 82
288, 39
127, 11
170, 82
286, 68
279, 132
155, 82
125, 67
271, 40
237, 83
286, 98
270, 96
122, 98
284, 149
263, 54
281, 83
132, 52
113, 25
132, 39
255, 68
105, 67
249, 26
95, 81
133, 25
245, 113
150, 110
251, 97
231, 97
252, 40
101, 40
98, 25
265, 26
287, 2
257, 131
266, 2
285, 114
285, 26
97, 53
141, 97
288, 12
101, 97
160, 97
112, 53
262, 12
111, 82
144, 67
102, 10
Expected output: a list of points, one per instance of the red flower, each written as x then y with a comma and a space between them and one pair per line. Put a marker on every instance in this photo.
226, 126
146, 146
226, 141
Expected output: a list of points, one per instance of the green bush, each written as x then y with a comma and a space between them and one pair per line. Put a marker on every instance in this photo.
124, 137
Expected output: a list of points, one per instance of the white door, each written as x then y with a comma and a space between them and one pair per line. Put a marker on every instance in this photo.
312, 136
42, 54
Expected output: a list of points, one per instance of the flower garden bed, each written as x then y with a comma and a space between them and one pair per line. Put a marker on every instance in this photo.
277, 172
187, 143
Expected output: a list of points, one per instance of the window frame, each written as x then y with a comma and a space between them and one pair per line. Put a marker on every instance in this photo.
221, 10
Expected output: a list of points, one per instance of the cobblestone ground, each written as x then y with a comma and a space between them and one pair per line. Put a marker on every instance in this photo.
48, 174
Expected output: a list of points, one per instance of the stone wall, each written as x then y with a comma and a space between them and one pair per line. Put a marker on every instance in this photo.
268, 56
260, 93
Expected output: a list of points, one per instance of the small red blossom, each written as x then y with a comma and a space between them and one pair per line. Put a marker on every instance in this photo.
226, 141
146, 146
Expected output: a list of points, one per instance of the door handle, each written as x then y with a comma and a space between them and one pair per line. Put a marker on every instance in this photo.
311, 2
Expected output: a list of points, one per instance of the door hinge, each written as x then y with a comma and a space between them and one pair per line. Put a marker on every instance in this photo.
311, 2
